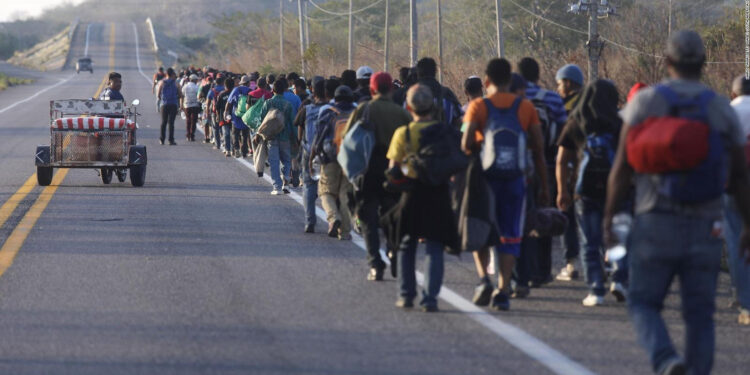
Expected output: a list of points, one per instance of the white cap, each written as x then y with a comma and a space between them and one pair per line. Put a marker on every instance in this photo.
364, 72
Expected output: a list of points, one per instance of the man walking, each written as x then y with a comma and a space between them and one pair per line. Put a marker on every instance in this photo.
279, 149
240, 131
169, 96
191, 105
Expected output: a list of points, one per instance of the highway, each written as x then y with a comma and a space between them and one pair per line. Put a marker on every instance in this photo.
202, 271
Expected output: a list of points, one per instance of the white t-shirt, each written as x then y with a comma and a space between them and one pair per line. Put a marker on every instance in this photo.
190, 94
741, 105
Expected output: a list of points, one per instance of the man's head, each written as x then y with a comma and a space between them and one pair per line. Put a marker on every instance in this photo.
419, 101
171, 74
349, 78
245, 81
403, 74
426, 68
115, 81
363, 76
291, 77
473, 87
740, 86
319, 89
685, 55
194, 78
381, 83
569, 80
300, 87
220, 80
280, 86
343, 94
331, 86
262, 83
270, 79
529, 69
497, 74
161, 69
229, 84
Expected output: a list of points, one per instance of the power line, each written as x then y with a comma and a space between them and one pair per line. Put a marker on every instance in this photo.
344, 13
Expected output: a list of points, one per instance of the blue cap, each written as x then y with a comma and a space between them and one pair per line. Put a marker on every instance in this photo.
571, 72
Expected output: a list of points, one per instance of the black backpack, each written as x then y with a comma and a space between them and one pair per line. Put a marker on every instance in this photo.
597, 161
439, 156
550, 129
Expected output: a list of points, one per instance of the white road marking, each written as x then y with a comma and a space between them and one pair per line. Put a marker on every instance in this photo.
550, 358
138, 54
86, 49
37, 94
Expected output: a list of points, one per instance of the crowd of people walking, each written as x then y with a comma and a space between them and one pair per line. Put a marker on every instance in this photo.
638, 193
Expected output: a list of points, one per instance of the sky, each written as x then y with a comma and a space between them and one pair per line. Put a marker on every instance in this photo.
13, 9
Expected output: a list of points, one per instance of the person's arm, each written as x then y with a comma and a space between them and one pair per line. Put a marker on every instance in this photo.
180, 98
536, 140
299, 122
158, 91
565, 156
618, 185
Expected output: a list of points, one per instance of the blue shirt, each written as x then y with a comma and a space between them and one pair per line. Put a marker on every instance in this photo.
233, 99
553, 101
218, 88
294, 100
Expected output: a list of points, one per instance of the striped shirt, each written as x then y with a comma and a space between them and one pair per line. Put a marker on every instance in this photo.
553, 101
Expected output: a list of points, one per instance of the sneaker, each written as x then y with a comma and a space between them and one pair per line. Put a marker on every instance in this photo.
333, 229
618, 290
375, 274
482, 294
674, 366
744, 318
521, 292
430, 308
567, 273
161, 142
228, 154
500, 301
345, 237
405, 303
172, 143
285, 190
275, 192
309, 229
593, 300
206, 140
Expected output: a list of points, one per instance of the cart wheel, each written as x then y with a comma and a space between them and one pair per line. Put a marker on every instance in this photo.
138, 174
44, 176
106, 176
122, 174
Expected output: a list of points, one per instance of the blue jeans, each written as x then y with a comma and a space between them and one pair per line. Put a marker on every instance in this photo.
227, 130
279, 152
309, 193
217, 134
662, 246
739, 271
433, 278
589, 215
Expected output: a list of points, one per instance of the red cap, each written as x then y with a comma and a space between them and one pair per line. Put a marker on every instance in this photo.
634, 90
381, 79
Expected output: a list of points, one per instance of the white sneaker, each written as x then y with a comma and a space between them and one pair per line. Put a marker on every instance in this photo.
567, 273
618, 290
275, 192
593, 300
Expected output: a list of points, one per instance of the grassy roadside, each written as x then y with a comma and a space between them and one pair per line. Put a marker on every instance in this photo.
6, 81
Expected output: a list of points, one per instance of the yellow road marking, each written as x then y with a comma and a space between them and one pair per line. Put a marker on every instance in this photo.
9, 206
18, 236
21, 232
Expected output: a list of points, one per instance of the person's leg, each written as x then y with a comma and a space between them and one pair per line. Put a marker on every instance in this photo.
345, 189
543, 271
245, 140
217, 134
739, 271
227, 130
172, 115
407, 280
164, 120
273, 161
698, 279
285, 157
326, 190
654, 246
511, 209
589, 216
188, 119
235, 139
524, 265
369, 221
309, 194
433, 277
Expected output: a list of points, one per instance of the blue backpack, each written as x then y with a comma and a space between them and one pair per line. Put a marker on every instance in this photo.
504, 151
596, 163
708, 180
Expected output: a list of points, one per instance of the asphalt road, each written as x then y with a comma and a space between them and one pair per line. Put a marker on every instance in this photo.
202, 271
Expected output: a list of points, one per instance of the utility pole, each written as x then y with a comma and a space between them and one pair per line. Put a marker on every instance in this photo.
669, 32
385, 48
307, 27
499, 21
440, 41
351, 35
281, 32
413, 37
301, 36
593, 42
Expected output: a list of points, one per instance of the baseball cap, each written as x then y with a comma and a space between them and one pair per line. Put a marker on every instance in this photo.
193, 77
244, 80
686, 47
364, 72
381, 79
343, 92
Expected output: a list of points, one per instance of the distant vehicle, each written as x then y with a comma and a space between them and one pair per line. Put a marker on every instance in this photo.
84, 63
96, 134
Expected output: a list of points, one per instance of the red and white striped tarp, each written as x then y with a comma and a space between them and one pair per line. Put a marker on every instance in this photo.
92, 123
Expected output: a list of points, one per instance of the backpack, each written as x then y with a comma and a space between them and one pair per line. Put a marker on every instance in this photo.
169, 92
504, 150
216, 97
681, 148
597, 161
251, 117
356, 149
328, 139
220, 106
241, 106
550, 129
311, 123
273, 124
439, 156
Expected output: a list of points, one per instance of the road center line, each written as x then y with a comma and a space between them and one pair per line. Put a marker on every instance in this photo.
10, 205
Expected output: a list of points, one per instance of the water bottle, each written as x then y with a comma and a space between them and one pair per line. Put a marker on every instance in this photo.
315, 169
183, 115
621, 224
